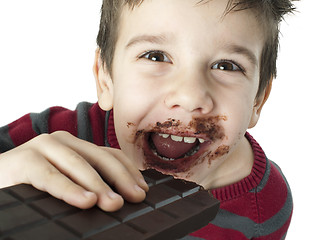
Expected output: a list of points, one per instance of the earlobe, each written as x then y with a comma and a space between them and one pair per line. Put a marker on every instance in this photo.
104, 85
259, 103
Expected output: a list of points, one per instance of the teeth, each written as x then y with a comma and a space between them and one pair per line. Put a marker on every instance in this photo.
176, 138
189, 139
188, 154
164, 135
179, 139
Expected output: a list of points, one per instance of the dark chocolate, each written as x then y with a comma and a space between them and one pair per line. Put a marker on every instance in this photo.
172, 209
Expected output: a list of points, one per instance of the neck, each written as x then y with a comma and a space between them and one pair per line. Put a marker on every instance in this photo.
237, 166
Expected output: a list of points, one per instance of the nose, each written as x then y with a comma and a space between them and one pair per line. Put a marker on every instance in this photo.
189, 92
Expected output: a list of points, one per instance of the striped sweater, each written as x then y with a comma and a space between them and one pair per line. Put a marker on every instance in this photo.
257, 207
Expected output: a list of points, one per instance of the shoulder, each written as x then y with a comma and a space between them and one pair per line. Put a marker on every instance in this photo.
273, 185
263, 212
273, 200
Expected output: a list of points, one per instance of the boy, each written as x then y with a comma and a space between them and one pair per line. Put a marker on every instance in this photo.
178, 83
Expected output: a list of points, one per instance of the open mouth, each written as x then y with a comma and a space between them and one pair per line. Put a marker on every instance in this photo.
172, 147
173, 153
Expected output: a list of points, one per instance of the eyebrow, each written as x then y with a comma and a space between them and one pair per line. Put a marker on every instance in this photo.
155, 39
243, 51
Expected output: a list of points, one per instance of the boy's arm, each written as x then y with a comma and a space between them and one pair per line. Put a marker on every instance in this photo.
86, 122
16, 133
6, 142
64, 165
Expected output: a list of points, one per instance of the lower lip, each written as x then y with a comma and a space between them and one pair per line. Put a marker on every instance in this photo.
180, 165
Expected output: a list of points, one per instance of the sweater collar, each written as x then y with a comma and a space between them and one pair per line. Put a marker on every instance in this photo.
110, 132
251, 181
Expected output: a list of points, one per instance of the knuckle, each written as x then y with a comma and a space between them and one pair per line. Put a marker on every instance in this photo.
30, 155
60, 134
51, 173
48, 173
37, 170
74, 159
41, 138
49, 177
98, 184
99, 163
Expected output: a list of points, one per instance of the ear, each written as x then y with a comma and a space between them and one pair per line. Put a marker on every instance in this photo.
104, 84
259, 103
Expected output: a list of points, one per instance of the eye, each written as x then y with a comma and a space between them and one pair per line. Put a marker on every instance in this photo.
156, 56
227, 65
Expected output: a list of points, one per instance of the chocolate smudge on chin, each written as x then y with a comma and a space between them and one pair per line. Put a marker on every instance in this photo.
219, 152
130, 124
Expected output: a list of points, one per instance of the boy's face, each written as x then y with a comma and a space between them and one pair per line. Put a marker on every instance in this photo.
181, 69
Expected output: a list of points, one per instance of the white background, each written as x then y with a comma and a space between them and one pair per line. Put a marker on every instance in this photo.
46, 55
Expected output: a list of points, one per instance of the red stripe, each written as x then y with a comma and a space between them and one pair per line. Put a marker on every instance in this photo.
21, 130
212, 232
111, 133
273, 196
61, 119
277, 234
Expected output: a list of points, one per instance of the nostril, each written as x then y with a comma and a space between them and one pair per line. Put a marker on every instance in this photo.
174, 107
189, 102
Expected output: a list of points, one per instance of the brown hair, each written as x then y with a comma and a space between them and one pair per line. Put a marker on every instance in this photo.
269, 13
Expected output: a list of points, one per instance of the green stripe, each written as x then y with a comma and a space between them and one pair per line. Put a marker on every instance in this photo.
106, 128
84, 130
6, 142
248, 227
265, 178
228, 220
191, 238
40, 121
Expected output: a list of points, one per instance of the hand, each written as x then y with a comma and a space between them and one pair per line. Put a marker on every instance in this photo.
70, 169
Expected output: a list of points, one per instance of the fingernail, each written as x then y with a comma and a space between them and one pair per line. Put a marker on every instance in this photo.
113, 195
143, 182
138, 189
88, 194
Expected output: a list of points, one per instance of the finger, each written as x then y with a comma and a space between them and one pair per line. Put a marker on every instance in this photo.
45, 177
78, 170
113, 170
137, 175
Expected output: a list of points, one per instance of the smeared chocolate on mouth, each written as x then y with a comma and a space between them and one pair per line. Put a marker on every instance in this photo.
170, 147
207, 128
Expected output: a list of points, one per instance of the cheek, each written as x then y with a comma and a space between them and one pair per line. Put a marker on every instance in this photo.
239, 115
126, 138
129, 102
134, 94
124, 123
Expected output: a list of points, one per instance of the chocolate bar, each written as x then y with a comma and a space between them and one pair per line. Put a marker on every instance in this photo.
172, 209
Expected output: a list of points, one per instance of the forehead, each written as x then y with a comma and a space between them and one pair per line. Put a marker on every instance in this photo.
203, 21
